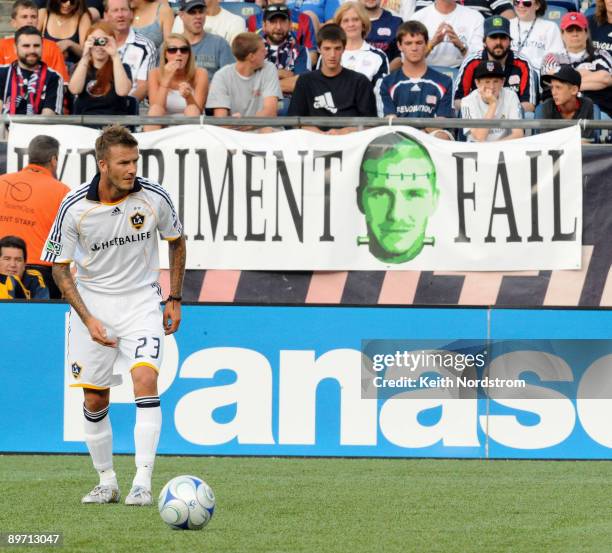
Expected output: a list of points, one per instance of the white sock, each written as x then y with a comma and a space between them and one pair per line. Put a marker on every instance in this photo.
146, 437
99, 440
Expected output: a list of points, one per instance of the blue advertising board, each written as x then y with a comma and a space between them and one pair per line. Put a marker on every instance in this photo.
259, 380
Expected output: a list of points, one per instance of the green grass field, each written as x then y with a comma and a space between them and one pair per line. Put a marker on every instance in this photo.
317, 505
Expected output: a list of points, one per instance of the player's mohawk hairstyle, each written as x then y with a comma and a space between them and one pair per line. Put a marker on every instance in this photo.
113, 135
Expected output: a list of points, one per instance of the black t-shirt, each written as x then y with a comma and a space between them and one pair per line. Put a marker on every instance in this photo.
348, 94
109, 104
548, 110
52, 95
601, 34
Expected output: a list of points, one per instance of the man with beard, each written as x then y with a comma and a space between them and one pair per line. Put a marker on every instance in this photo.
301, 26
518, 73
282, 49
25, 13
383, 31
29, 86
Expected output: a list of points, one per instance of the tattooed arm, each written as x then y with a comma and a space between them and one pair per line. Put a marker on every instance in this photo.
65, 282
172, 311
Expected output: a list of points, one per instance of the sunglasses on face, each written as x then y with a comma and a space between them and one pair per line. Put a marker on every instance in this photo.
175, 49
526, 3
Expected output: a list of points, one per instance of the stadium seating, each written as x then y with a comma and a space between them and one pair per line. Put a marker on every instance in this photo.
569, 5
244, 9
555, 13
452, 72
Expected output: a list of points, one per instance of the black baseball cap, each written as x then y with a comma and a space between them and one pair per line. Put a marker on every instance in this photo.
489, 69
276, 10
566, 74
496, 25
187, 5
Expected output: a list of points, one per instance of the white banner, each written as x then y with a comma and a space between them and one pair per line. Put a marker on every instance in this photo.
384, 198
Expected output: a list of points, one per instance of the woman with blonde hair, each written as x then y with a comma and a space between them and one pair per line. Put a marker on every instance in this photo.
177, 86
358, 54
66, 22
100, 81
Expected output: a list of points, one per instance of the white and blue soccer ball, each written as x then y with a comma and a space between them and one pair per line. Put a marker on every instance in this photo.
186, 503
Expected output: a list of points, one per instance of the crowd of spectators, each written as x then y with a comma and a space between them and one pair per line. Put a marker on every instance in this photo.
430, 58
477, 59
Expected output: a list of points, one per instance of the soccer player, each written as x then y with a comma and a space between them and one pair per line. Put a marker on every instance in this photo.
109, 228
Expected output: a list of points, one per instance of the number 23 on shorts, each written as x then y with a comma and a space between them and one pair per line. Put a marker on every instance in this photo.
147, 347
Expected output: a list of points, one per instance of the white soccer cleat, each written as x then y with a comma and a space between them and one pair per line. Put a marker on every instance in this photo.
139, 496
102, 494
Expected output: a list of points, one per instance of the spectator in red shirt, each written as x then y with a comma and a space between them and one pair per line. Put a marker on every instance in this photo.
518, 73
25, 13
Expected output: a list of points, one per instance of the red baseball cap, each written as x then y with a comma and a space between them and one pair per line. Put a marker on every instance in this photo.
574, 19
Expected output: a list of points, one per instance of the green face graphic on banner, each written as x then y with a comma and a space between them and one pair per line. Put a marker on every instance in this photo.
397, 193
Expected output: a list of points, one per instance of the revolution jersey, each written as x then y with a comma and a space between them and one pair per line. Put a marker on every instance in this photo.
601, 35
427, 96
114, 246
382, 34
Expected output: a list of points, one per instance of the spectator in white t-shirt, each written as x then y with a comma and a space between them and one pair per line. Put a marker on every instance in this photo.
454, 31
249, 87
491, 100
532, 35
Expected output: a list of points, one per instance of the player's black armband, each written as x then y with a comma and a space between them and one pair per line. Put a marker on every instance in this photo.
178, 299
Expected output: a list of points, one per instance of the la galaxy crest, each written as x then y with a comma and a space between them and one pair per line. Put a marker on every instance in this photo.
137, 220
76, 369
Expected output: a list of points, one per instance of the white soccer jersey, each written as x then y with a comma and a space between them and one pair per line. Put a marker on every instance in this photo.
114, 246
368, 61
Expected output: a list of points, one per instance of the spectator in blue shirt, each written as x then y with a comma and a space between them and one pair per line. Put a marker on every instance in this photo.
383, 31
416, 90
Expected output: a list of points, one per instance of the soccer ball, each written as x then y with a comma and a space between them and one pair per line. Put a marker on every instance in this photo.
186, 503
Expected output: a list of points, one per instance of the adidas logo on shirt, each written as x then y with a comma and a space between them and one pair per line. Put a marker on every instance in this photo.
325, 101
116, 211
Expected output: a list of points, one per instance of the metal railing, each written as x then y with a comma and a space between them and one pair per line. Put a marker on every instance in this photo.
297, 122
